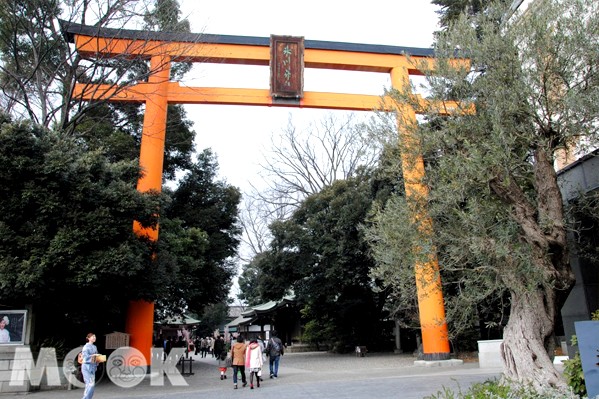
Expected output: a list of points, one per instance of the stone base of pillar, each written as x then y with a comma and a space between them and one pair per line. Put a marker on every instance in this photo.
438, 363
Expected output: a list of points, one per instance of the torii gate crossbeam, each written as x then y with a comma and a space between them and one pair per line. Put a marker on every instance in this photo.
162, 48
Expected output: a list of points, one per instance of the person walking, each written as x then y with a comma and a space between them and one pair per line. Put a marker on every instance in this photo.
219, 346
168, 346
203, 347
89, 366
274, 351
263, 349
196, 343
253, 361
238, 360
211, 345
224, 361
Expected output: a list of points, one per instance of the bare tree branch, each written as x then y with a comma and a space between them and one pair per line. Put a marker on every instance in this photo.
302, 163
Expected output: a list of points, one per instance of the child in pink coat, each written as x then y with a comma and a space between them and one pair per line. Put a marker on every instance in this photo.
253, 361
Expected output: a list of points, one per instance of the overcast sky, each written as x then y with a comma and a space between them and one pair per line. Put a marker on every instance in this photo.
238, 134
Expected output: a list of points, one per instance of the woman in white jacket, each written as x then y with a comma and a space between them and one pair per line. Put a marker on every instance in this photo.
253, 361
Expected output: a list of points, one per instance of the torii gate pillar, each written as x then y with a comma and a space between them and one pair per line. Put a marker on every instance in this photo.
140, 314
431, 306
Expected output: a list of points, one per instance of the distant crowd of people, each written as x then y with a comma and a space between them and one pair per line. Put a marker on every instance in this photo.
238, 355
169, 343
209, 345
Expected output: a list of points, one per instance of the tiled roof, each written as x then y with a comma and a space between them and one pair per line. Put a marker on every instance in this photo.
251, 313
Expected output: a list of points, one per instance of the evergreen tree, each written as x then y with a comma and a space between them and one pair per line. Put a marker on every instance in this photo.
66, 243
199, 236
38, 70
320, 256
452, 9
497, 210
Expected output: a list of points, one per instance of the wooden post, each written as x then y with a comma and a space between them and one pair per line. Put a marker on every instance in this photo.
140, 314
431, 307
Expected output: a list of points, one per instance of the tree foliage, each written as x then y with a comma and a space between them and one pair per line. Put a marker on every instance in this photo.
451, 10
38, 71
497, 210
67, 233
38, 67
254, 287
319, 255
82, 240
66, 227
213, 315
200, 238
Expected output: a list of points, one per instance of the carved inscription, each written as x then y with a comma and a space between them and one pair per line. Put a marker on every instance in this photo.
286, 67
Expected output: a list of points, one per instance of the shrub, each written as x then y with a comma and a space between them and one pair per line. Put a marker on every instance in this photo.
573, 367
574, 374
494, 389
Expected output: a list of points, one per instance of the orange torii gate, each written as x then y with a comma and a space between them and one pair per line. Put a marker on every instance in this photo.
287, 57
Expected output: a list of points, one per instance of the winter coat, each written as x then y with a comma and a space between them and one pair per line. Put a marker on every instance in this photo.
238, 353
253, 357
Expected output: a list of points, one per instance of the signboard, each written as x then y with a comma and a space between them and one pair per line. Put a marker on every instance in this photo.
116, 340
587, 333
12, 327
286, 67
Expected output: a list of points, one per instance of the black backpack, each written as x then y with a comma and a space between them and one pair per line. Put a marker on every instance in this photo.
275, 348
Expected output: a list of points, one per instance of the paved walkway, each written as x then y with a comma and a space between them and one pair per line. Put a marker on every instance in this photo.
306, 375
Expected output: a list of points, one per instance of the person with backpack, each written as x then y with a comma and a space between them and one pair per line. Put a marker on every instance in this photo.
274, 351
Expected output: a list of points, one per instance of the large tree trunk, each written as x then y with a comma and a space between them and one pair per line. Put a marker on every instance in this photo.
538, 294
528, 338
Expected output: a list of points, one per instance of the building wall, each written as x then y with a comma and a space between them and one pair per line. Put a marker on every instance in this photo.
579, 178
